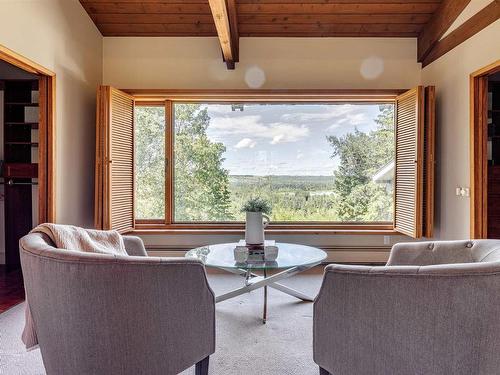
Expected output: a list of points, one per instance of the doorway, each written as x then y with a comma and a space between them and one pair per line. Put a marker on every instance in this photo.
485, 152
26, 151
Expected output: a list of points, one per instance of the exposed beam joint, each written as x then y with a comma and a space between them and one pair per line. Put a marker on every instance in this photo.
226, 23
469, 28
440, 22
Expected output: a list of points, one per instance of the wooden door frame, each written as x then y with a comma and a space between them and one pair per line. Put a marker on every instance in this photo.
46, 126
478, 149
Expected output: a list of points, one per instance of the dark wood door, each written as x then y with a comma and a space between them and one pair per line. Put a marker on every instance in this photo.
18, 220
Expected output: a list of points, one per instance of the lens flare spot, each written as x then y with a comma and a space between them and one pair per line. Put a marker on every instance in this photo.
372, 67
255, 77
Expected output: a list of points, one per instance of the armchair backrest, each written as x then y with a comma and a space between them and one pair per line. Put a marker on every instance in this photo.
105, 314
444, 252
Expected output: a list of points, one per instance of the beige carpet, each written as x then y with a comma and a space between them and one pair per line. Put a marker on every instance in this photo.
244, 345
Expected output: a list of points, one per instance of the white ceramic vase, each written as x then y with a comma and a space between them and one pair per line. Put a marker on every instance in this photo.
254, 227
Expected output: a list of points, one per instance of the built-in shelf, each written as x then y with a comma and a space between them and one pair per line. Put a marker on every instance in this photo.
23, 104
34, 125
19, 167
20, 170
33, 144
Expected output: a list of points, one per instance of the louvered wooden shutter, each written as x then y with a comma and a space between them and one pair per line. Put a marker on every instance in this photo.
114, 160
408, 196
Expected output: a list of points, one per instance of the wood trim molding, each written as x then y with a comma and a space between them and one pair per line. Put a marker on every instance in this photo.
169, 97
50, 127
441, 21
47, 146
478, 150
140, 230
429, 160
169, 160
278, 95
22, 62
469, 28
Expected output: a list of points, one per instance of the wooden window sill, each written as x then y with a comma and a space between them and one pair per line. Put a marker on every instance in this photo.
235, 231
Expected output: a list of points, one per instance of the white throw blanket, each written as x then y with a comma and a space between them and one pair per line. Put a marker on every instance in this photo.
78, 239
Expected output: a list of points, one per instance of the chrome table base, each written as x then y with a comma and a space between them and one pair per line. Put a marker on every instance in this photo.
254, 281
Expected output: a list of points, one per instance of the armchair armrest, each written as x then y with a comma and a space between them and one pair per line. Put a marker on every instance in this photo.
134, 246
408, 319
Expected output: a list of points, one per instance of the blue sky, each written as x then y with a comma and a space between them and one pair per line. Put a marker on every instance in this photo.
285, 139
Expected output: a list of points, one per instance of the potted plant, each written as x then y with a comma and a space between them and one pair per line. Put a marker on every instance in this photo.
256, 220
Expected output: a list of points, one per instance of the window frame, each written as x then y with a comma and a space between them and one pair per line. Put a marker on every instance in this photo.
169, 97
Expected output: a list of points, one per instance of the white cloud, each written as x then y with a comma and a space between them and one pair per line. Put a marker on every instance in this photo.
277, 139
246, 143
342, 114
277, 132
328, 113
354, 119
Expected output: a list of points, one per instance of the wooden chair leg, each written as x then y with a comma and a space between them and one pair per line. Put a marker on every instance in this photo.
202, 366
322, 371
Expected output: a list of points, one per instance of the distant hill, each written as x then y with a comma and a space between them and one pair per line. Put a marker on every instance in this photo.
310, 183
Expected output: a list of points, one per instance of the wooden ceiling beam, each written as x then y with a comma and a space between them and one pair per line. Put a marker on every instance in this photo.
441, 21
224, 14
233, 24
469, 28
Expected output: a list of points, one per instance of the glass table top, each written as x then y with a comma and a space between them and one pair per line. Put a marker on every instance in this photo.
289, 255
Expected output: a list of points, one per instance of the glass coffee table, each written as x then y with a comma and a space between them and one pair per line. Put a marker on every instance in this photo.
292, 259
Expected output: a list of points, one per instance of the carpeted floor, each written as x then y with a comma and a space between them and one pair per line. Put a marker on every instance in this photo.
283, 346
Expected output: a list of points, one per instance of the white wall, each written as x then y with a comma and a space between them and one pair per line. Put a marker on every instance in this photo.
300, 63
450, 74
303, 63
59, 35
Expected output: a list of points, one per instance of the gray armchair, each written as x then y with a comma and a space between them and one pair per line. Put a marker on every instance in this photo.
433, 309
101, 314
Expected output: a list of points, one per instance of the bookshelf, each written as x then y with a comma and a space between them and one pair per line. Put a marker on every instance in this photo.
493, 116
20, 161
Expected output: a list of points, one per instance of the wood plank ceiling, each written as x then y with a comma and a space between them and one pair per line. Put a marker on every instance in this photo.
305, 18
425, 19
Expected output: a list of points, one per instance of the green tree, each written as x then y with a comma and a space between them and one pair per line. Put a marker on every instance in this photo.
150, 162
361, 155
201, 184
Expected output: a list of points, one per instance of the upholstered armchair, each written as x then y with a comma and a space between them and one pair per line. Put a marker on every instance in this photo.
433, 309
103, 314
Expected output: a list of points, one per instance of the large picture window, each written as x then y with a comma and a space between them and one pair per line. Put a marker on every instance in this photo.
313, 162
325, 162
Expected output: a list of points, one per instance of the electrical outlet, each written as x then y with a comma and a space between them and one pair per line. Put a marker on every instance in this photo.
387, 240
462, 191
